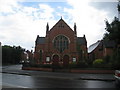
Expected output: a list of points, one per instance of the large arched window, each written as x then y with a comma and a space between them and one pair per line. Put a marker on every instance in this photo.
61, 43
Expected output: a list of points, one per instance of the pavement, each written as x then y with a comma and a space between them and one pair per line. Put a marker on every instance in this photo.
16, 69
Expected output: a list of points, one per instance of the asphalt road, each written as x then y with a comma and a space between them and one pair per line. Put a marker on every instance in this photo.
39, 79
22, 81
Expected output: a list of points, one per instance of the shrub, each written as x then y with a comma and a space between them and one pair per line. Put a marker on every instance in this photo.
107, 59
98, 63
46, 66
73, 65
82, 64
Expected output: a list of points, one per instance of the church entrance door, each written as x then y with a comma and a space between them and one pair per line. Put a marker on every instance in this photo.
66, 61
55, 60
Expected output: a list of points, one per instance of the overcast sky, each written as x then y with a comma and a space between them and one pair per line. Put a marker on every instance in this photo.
22, 20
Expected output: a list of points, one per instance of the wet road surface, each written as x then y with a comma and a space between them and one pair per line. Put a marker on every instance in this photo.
16, 69
22, 81
40, 79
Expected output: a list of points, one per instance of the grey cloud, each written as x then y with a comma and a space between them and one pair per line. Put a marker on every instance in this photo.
110, 7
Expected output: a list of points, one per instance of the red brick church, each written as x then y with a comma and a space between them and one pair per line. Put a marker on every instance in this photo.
60, 46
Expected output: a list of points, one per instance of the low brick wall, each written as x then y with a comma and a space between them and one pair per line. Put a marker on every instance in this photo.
71, 70
36, 69
93, 71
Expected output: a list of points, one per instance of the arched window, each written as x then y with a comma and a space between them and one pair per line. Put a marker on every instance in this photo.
61, 43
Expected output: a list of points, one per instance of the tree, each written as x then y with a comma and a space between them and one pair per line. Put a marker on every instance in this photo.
113, 33
118, 9
11, 55
113, 30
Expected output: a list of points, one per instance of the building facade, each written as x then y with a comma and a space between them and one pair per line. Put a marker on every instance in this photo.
101, 49
60, 46
27, 56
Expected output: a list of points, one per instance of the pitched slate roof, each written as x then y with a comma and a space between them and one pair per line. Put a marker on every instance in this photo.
81, 40
93, 46
40, 40
106, 44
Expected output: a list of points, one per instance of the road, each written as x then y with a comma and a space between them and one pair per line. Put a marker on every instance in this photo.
23, 81
38, 79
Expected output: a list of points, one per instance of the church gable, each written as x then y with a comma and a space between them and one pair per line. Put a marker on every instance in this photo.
61, 25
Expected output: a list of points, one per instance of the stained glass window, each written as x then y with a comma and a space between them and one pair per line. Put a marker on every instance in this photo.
61, 43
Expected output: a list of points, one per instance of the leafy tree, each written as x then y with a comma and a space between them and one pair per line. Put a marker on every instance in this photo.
113, 33
113, 30
118, 7
11, 55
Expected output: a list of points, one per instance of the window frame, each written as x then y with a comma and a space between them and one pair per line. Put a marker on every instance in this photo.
61, 42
